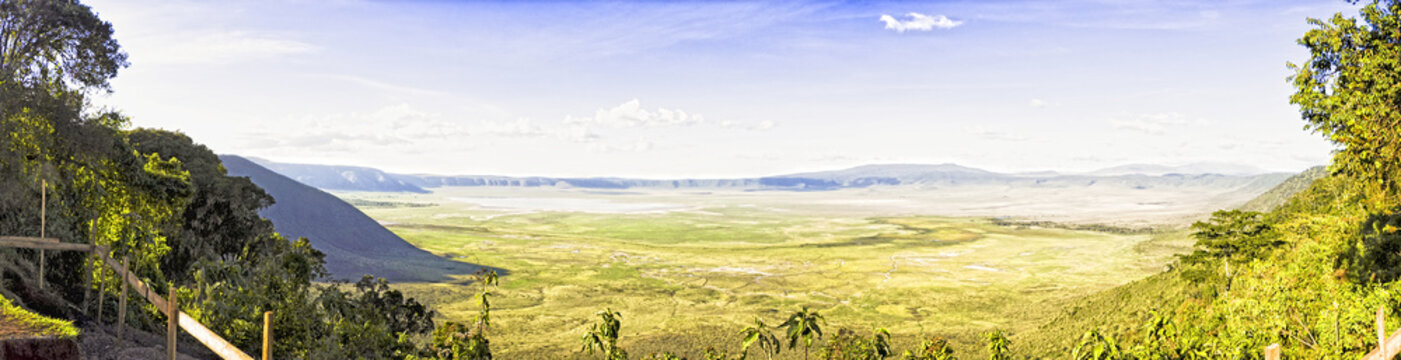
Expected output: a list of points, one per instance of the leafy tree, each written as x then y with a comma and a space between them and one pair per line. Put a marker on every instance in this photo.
460, 342
603, 336
999, 346
1094, 345
56, 43
935, 348
761, 334
1233, 234
1350, 88
803, 325
847, 345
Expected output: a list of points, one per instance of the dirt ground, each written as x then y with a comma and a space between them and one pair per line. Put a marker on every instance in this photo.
100, 343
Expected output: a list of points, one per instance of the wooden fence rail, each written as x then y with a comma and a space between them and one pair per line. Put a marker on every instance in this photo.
201, 333
211, 340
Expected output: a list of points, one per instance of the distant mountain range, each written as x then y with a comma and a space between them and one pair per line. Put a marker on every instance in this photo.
1141, 176
354, 243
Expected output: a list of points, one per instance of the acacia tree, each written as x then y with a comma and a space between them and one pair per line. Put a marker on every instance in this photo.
1349, 90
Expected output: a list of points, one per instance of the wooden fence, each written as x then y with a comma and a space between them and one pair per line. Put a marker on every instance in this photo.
167, 306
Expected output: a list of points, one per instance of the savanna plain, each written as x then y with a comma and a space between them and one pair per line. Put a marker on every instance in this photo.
687, 269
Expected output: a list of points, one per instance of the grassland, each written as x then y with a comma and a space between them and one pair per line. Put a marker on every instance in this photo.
692, 274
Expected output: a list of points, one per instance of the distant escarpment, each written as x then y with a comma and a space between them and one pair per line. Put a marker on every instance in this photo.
918, 176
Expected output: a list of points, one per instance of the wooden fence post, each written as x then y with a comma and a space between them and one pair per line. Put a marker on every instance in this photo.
101, 291
267, 335
87, 281
121, 302
43, 213
1381, 331
172, 322
1272, 352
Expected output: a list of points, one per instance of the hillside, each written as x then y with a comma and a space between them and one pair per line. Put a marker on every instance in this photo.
1306, 266
1280, 194
354, 243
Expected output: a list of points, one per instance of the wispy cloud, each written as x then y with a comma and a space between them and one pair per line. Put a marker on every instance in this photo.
632, 114
919, 22
1038, 103
217, 47
391, 126
638, 146
520, 127
1153, 124
989, 134
759, 126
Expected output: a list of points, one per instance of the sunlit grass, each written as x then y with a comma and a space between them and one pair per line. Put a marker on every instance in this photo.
685, 280
39, 325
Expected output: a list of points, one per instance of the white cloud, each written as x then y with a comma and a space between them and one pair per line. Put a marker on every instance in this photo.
578, 134
759, 126
390, 127
1153, 124
990, 134
639, 146
631, 114
215, 47
1038, 103
521, 127
919, 22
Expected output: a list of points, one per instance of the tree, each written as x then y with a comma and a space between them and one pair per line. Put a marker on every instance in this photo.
1097, 346
1233, 234
455, 341
931, 349
803, 325
1349, 90
881, 341
603, 336
760, 333
58, 43
999, 346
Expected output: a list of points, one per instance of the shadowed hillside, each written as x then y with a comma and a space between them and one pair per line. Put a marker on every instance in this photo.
354, 243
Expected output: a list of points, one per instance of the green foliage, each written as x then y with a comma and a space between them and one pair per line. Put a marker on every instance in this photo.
1097, 346
847, 345
164, 202
56, 43
934, 348
1232, 235
804, 325
761, 334
603, 336
1349, 89
456, 341
1377, 257
998, 345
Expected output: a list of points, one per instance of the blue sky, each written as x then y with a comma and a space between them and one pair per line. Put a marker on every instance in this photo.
721, 89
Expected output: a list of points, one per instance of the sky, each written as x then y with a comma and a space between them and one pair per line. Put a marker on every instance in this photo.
721, 89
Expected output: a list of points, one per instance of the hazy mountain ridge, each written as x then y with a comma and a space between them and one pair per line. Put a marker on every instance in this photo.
354, 243
336, 177
349, 178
